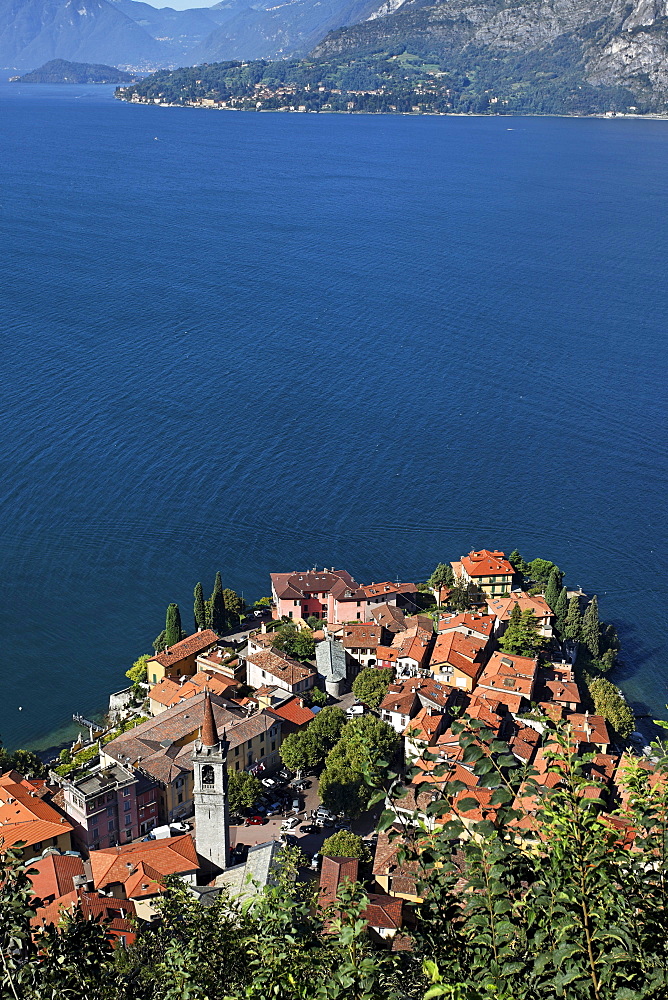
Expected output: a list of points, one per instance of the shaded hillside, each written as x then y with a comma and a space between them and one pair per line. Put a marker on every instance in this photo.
609, 43
61, 71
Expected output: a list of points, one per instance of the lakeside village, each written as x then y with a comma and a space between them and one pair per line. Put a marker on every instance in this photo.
257, 733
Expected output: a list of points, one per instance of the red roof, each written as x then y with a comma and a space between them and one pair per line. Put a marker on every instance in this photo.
194, 644
140, 866
293, 711
487, 563
52, 876
25, 817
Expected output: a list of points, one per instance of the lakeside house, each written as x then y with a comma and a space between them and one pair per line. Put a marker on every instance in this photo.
180, 660
487, 570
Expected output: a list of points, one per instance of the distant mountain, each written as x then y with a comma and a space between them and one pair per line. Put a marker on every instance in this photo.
61, 71
135, 35
34, 31
271, 32
510, 46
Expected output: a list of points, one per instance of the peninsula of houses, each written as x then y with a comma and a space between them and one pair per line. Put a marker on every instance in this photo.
196, 778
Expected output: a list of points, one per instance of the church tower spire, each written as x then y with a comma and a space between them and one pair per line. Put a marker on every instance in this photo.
210, 791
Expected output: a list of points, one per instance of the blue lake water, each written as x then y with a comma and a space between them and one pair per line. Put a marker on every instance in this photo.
265, 342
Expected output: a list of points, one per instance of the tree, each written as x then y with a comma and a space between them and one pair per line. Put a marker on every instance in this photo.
442, 576
573, 628
234, 605
199, 609
344, 844
172, 625
561, 611
137, 672
218, 584
359, 757
553, 589
328, 726
611, 704
218, 612
160, 642
298, 643
540, 569
522, 638
591, 627
295, 751
371, 684
243, 790
517, 562
461, 596
317, 697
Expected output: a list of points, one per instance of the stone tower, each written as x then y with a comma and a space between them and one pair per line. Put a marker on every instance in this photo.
210, 792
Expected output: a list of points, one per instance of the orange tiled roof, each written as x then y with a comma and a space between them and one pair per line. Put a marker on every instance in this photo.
135, 865
52, 876
293, 711
467, 621
194, 644
169, 692
589, 728
487, 563
360, 636
502, 607
379, 589
25, 817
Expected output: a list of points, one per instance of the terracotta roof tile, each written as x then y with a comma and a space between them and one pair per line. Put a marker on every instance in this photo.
487, 563
194, 644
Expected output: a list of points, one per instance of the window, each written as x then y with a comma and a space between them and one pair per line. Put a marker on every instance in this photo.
127, 806
261, 737
208, 776
37, 846
110, 797
179, 782
236, 751
110, 810
111, 825
179, 798
128, 820
126, 792
155, 679
95, 834
273, 745
236, 765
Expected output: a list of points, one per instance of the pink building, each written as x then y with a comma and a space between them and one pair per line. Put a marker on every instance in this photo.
329, 594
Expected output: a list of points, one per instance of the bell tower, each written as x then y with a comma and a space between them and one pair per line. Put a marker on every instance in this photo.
210, 792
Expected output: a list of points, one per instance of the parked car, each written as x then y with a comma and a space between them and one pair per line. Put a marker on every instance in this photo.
315, 861
180, 827
238, 854
297, 804
275, 809
268, 782
301, 784
343, 825
290, 824
254, 821
284, 774
236, 820
260, 612
289, 839
309, 828
324, 815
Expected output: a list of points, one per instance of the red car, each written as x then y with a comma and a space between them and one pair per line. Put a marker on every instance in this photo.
254, 821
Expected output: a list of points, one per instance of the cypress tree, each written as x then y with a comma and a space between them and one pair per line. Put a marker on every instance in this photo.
591, 629
218, 585
553, 589
199, 610
573, 628
173, 625
512, 639
218, 612
561, 610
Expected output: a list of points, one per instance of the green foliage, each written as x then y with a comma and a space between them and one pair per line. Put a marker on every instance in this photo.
137, 673
24, 761
344, 844
298, 643
553, 589
611, 704
591, 627
462, 596
160, 641
199, 609
442, 576
517, 562
317, 697
561, 611
355, 762
573, 629
172, 625
234, 605
295, 751
540, 570
521, 637
371, 684
314, 622
243, 790
78, 761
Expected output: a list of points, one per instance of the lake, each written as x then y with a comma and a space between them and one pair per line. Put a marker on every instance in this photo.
264, 342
